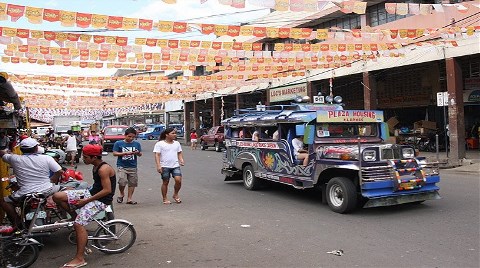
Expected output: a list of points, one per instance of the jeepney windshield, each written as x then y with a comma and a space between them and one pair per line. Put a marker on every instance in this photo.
336, 130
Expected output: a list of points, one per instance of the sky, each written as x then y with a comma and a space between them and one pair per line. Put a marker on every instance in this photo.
184, 10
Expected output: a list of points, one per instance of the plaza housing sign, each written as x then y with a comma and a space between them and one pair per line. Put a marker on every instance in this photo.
287, 93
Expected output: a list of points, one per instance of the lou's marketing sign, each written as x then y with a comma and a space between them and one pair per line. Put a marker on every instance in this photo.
287, 92
353, 116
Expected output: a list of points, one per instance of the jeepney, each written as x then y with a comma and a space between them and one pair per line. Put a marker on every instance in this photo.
349, 158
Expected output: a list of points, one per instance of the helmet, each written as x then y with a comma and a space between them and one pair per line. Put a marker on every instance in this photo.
92, 150
57, 154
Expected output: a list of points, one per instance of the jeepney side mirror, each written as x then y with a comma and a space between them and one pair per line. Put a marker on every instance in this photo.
384, 131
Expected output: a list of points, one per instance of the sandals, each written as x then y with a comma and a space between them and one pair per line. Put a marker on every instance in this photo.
167, 202
131, 202
120, 199
177, 200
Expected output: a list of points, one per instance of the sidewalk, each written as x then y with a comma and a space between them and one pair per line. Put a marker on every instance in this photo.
471, 163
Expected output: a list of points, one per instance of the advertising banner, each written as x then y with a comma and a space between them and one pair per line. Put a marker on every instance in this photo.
353, 116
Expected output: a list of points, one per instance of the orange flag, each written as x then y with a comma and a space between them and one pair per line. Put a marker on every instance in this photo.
33, 14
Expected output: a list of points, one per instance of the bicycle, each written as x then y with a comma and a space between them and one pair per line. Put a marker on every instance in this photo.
111, 236
18, 249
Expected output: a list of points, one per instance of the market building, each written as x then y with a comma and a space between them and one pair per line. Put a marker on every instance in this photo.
404, 86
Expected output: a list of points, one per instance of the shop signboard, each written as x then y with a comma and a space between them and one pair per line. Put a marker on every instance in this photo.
364, 116
472, 95
287, 93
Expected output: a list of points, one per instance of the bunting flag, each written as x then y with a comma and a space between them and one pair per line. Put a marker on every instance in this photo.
87, 20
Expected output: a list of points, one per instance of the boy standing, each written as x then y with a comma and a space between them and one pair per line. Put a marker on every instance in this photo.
127, 151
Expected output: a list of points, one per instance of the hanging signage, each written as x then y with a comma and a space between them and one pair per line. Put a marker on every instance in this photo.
287, 93
442, 98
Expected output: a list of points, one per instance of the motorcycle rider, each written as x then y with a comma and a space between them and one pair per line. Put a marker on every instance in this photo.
88, 202
33, 175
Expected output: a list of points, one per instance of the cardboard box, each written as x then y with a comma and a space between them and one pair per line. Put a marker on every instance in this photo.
392, 122
425, 124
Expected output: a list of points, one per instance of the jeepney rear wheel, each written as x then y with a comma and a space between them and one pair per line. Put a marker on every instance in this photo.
341, 195
250, 181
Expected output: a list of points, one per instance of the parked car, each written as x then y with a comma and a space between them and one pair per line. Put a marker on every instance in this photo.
152, 133
213, 138
179, 128
111, 134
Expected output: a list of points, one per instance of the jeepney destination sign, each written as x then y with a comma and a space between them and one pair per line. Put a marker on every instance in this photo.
367, 116
287, 92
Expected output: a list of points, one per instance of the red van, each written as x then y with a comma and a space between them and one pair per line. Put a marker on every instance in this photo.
111, 134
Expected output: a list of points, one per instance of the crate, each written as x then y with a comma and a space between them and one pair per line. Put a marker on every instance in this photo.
425, 124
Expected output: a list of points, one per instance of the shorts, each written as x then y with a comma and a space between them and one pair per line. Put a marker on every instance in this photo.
193, 140
87, 212
127, 176
72, 153
175, 172
15, 198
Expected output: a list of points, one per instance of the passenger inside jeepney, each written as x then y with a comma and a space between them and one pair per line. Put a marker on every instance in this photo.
300, 153
256, 135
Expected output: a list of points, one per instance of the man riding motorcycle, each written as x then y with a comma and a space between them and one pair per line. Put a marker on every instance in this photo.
32, 171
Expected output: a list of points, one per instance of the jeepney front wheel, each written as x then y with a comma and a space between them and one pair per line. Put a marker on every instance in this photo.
341, 195
250, 181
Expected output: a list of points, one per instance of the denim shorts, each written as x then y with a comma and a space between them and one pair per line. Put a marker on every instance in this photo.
173, 171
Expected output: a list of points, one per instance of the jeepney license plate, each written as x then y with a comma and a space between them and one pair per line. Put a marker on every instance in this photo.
41, 215
407, 186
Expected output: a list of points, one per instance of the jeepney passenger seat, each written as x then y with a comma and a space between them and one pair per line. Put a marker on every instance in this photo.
290, 137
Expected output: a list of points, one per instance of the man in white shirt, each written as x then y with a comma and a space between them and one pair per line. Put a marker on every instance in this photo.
71, 148
32, 171
298, 150
169, 158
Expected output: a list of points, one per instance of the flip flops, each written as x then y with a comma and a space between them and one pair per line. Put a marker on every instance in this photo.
132, 202
120, 199
167, 202
75, 265
177, 200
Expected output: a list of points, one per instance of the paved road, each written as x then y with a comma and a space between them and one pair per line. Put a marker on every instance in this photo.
286, 227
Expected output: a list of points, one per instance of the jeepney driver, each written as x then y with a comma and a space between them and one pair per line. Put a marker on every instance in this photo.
299, 152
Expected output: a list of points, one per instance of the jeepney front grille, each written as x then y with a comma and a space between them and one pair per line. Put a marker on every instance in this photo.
378, 173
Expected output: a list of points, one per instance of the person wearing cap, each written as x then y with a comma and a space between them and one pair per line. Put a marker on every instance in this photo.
33, 175
83, 205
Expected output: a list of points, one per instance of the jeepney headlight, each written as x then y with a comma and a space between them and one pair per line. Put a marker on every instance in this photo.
408, 153
107, 140
369, 155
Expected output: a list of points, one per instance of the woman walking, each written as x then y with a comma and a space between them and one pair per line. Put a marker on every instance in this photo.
169, 158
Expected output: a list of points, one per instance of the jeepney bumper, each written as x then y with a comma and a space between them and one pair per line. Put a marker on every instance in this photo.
401, 199
383, 193
231, 174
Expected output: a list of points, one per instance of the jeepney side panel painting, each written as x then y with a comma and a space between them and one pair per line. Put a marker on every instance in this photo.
273, 157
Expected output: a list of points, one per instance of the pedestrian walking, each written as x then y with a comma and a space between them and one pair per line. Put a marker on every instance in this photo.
169, 158
127, 151
193, 139
71, 147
